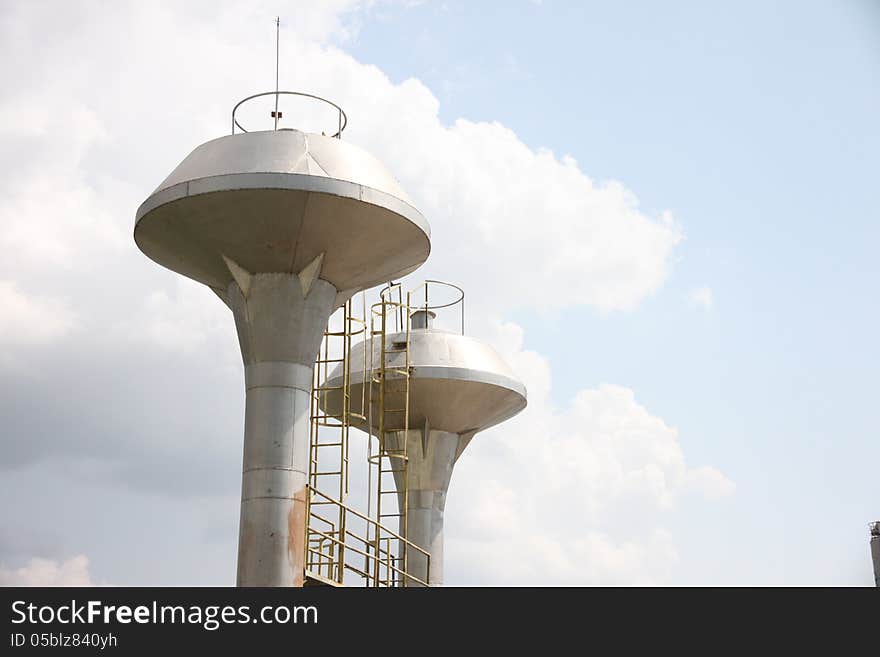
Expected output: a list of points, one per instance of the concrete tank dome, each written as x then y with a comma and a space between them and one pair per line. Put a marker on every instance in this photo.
457, 383
273, 201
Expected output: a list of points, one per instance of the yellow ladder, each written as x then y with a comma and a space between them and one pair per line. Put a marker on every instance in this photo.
389, 400
339, 538
329, 437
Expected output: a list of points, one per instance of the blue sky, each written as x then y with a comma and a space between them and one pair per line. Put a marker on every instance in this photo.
700, 411
756, 124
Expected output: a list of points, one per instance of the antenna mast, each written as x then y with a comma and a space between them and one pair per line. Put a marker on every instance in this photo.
275, 114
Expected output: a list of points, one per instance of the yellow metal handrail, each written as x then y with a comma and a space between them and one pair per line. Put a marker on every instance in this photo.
339, 539
328, 551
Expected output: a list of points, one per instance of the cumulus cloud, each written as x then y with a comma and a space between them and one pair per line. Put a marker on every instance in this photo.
49, 572
538, 558
32, 320
519, 227
179, 320
571, 495
710, 482
702, 297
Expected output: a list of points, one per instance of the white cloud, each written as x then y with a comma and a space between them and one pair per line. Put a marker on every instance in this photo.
573, 495
540, 558
181, 319
711, 483
702, 297
48, 572
32, 319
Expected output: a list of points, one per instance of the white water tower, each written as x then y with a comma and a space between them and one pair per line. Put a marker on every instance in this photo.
451, 386
284, 226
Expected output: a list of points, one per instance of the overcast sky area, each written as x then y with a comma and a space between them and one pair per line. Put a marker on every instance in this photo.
664, 216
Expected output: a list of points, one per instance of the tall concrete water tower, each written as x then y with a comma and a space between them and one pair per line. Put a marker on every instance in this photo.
457, 386
284, 226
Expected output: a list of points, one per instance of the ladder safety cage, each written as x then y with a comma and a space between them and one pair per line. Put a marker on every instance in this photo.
389, 400
329, 449
433, 296
341, 540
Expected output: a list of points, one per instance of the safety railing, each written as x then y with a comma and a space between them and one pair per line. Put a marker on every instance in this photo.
277, 114
389, 396
334, 549
340, 539
432, 297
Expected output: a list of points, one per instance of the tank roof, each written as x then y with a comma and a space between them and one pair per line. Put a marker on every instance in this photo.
457, 383
273, 201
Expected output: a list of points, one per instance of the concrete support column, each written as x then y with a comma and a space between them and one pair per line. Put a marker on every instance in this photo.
431, 456
280, 323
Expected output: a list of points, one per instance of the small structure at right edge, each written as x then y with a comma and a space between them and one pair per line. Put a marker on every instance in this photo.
875, 550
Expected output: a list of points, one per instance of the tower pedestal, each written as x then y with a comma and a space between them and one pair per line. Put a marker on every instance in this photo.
280, 324
431, 457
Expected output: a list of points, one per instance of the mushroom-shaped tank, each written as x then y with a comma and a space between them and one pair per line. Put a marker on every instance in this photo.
457, 386
274, 201
284, 226
457, 383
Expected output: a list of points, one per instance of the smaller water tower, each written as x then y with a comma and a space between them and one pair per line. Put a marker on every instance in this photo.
432, 390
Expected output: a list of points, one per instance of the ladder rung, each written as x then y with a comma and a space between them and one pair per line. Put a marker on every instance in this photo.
334, 472
327, 444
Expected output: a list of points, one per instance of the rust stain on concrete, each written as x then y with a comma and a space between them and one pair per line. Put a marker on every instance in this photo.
296, 536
